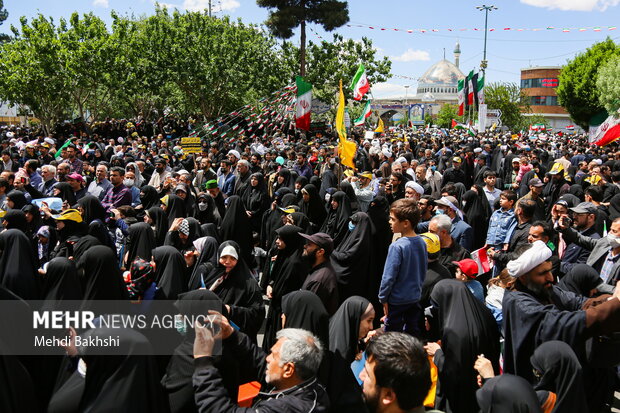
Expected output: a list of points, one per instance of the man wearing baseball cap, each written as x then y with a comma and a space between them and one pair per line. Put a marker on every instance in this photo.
536, 188
322, 279
455, 173
77, 185
363, 189
557, 187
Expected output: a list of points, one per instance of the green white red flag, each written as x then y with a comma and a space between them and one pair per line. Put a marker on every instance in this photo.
461, 96
304, 104
365, 114
607, 132
360, 85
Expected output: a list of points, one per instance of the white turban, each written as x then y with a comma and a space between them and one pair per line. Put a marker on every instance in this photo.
416, 187
530, 259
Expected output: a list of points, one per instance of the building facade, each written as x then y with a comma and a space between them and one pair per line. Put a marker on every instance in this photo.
539, 84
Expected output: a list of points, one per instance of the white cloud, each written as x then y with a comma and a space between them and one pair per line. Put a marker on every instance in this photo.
200, 5
412, 55
216, 6
573, 5
101, 3
391, 91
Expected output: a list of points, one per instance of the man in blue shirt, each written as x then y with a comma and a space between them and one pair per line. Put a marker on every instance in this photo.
226, 179
461, 231
404, 271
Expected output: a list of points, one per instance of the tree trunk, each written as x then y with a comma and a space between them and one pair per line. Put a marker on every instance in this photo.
302, 49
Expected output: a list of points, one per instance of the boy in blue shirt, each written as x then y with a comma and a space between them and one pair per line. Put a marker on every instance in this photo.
404, 271
502, 221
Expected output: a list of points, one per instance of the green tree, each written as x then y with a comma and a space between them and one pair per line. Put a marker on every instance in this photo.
286, 15
577, 90
508, 98
218, 65
3, 16
33, 71
608, 85
329, 62
88, 55
446, 114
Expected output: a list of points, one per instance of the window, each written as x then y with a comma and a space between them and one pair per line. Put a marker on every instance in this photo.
544, 100
542, 82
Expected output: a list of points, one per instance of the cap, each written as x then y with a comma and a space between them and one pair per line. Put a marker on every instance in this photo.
468, 266
366, 174
556, 168
536, 182
457, 159
180, 187
562, 202
481, 157
516, 160
229, 251
322, 240
593, 180
289, 209
211, 184
348, 173
76, 177
477, 150
159, 160
432, 242
446, 201
584, 208
69, 215
164, 200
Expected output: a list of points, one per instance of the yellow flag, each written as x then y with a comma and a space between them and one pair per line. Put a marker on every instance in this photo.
380, 126
346, 148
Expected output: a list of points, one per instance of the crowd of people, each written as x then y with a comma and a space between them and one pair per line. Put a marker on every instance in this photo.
459, 273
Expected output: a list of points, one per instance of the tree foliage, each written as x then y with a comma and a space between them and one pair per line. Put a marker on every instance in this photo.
577, 90
446, 114
508, 98
4, 14
286, 15
329, 62
608, 85
185, 62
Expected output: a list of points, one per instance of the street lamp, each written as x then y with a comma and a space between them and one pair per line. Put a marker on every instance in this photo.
487, 9
406, 90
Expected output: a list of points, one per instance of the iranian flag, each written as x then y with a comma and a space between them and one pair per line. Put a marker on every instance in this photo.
365, 114
461, 126
607, 132
473, 84
304, 104
360, 85
461, 96
482, 259
481, 90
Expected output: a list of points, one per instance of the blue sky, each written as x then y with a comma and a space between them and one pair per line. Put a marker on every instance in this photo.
413, 53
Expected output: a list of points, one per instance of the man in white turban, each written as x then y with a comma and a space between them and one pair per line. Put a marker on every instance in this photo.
535, 311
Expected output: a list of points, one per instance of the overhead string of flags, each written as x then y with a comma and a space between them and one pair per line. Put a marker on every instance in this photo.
601, 28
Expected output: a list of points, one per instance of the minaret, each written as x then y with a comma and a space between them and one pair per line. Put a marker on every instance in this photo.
457, 53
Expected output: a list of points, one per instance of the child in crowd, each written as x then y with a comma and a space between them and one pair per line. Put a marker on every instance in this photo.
467, 271
502, 221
